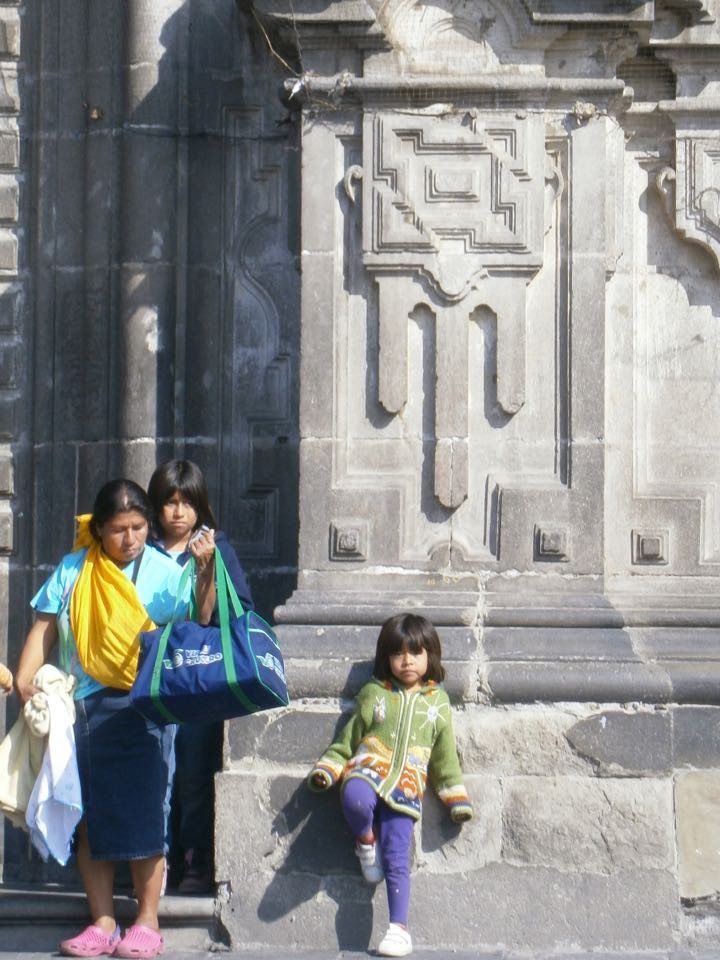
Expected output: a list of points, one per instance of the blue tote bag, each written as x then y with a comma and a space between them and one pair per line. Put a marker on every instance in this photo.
190, 672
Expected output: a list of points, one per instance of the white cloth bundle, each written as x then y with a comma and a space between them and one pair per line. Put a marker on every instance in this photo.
39, 781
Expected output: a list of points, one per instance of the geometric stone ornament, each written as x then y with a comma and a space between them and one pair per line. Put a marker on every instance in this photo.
453, 198
550, 544
650, 546
453, 216
348, 540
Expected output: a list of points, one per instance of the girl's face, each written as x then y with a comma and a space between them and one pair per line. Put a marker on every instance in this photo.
409, 668
123, 537
177, 518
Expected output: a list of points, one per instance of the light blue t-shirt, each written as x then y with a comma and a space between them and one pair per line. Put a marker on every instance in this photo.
157, 584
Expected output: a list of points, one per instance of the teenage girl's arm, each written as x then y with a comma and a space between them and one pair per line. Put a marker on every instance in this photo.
40, 641
203, 550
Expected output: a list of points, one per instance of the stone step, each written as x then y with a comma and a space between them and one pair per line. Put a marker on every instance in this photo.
37, 917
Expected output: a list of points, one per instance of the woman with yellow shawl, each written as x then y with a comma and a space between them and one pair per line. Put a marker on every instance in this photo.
96, 603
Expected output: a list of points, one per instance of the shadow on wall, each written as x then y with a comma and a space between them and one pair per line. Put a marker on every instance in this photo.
311, 867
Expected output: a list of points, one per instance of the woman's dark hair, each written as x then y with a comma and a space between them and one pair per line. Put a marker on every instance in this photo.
411, 631
118, 496
187, 479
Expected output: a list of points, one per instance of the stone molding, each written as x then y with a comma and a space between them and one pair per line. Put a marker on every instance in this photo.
691, 190
12, 288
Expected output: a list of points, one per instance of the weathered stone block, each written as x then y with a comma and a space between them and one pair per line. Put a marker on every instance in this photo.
9, 197
297, 735
510, 742
7, 528
9, 92
589, 826
698, 833
9, 143
12, 301
625, 741
7, 475
8, 252
696, 736
9, 33
442, 846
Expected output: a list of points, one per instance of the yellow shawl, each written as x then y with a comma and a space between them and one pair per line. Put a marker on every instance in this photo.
106, 615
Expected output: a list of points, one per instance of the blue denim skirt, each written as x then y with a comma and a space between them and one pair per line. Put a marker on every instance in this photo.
123, 765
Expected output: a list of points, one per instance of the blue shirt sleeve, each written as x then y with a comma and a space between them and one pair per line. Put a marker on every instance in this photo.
53, 594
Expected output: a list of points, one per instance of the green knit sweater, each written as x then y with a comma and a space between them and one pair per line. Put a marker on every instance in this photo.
393, 740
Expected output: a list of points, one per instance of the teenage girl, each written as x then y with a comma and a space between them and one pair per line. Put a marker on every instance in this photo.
401, 730
179, 496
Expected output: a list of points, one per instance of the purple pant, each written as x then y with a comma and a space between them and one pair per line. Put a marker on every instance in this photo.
364, 810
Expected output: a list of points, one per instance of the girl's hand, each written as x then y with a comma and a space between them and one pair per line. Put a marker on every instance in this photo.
202, 547
319, 781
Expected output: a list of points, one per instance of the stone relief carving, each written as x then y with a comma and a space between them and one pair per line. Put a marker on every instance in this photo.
444, 369
551, 543
691, 191
454, 35
258, 391
453, 203
650, 546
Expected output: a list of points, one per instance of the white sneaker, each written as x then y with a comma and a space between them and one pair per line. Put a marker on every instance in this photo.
396, 942
367, 854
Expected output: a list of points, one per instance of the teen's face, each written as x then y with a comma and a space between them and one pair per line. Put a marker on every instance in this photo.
409, 668
123, 537
178, 517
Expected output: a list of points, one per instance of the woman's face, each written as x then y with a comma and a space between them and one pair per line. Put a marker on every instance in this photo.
178, 518
123, 536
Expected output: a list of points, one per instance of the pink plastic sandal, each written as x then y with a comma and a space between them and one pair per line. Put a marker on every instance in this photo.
141, 942
92, 942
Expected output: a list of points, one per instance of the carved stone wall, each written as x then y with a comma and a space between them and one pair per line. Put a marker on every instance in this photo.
508, 418
430, 290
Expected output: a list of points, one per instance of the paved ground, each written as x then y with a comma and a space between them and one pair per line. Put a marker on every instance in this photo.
32, 953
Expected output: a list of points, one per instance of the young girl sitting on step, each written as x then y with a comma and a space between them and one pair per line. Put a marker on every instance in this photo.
401, 730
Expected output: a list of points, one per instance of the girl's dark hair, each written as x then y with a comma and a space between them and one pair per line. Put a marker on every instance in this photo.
414, 632
187, 479
118, 496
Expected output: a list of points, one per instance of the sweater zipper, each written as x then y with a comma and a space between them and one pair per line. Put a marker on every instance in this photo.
402, 736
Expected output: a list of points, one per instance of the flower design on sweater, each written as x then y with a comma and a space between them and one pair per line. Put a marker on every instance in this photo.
432, 715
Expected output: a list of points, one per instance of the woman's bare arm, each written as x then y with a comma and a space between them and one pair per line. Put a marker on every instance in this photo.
40, 641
